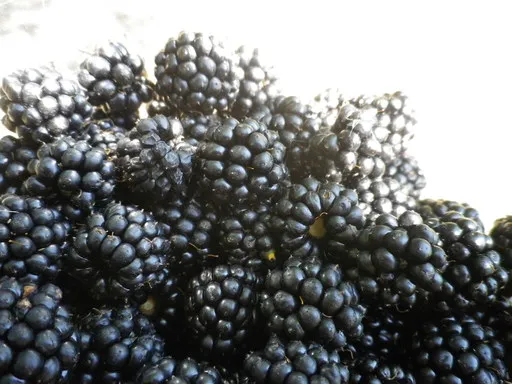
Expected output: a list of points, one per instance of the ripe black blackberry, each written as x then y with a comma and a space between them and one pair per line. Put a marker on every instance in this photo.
311, 302
14, 158
384, 195
457, 350
397, 261
245, 238
475, 274
41, 106
38, 340
295, 362
431, 209
193, 232
258, 86
315, 217
501, 233
74, 172
221, 311
116, 82
154, 159
115, 344
119, 253
103, 134
241, 163
406, 171
326, 106
195, 74
33, 239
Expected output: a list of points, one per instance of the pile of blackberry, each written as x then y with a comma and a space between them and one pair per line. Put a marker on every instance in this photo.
203, 226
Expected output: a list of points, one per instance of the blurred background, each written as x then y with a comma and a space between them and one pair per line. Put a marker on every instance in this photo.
452, 58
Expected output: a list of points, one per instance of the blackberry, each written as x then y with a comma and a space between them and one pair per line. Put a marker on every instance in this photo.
116, 82
326, 106
245, 238
14, 158
258, 86
241, 163
397, 261
115, 344
38, 341
154, 159
406, 171
195, 74
311, 302
119, 253
384, 195
313, 217
295, 362
431, 209
475, 274
457, 350
103, 134
33, 239
159, 107
221, 310
195, 126
371, 369
80, 175
501, 234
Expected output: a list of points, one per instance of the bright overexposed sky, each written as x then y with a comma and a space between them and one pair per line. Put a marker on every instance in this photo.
452, 57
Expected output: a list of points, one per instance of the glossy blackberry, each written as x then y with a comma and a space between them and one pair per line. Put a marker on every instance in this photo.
14, 158
38, 342
192, 225
396, 261
115, 344
40, 105
406, 171
33, 239
103, 134
195, 74
295, 362
384, 195
315, 217
116, 82
296, 124
258, 86
311, 302
195, 126
326, 106
74, 172
154, 159
119, 253
396, 121
431, 209
475, 273
457, 350
221, 310
241, 163
188, 370
501, 233
245, 238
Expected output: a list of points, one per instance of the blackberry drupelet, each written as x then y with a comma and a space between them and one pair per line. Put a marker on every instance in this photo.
406, 171
38, 342
326, 106
384, 195
154, 159
371, 369
14, 158
501, 234
457, 350
315, 217
103, 134
311, 302
33, 239
221, 311
397, 261
431, 209
258, 86
295, 362
115, 344
241, 163
41, 106
116, 82
195, 126
245, 238
475, 274
120, 253
195, 74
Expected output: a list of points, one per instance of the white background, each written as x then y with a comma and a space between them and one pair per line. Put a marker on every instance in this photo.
452, 58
